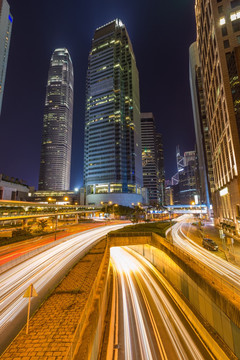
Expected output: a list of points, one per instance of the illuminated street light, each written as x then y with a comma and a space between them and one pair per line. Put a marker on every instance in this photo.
66, 198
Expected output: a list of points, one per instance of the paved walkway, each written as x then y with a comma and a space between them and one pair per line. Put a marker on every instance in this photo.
52, 328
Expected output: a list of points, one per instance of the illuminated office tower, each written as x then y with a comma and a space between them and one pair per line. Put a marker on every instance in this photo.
112, 151
57, 124
6, 20
152, 159
201, 129
218, 39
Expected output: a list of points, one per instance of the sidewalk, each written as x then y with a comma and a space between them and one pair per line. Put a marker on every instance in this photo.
228, 250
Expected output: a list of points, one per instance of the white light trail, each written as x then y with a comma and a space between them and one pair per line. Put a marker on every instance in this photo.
225, 269
140, 287
39, 271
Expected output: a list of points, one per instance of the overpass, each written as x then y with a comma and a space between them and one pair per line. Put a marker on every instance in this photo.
187, 209
20, 210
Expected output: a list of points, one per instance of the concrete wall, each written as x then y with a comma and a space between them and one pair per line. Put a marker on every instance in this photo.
89, 333
195, 294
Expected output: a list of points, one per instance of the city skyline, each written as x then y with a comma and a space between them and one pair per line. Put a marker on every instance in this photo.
150, 100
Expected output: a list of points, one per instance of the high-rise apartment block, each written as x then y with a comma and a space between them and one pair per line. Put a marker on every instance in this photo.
56, 147
201, 128
112, 151
218, 41
152, 159
6, 20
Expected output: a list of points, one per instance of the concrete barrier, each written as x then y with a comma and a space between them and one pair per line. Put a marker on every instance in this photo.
30, 254
88, 334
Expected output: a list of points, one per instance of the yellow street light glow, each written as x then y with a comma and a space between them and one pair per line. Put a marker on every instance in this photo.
49, 199
66, 198
110, 202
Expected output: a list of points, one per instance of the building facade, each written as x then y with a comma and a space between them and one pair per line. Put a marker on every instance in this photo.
152, 159
56, 147
189, 191
13, 189
6, 20
112, 147
218, 39
201, 128
160, 168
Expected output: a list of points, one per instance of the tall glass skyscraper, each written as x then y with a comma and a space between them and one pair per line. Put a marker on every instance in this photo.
6, 20
112, 152
56, 148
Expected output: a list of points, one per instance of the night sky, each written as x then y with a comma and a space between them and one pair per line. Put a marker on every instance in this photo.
161, 32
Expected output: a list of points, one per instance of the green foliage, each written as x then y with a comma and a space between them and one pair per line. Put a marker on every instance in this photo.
159, 228
42, 224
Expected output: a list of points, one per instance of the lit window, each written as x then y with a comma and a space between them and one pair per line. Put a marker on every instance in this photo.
234, 16
222, 21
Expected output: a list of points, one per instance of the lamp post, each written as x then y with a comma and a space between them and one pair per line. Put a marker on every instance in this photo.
106, 204
115, 205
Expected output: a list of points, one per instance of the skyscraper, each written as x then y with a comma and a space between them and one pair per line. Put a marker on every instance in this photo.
218, 39
6, 20
201, 128
57, 124
188, 174
112, 151
152, 159
160, 168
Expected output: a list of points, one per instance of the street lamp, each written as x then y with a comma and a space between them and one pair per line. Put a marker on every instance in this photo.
115, 205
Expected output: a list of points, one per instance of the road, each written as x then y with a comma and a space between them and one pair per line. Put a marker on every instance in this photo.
14, 250
228, 272
149, 325
44, 271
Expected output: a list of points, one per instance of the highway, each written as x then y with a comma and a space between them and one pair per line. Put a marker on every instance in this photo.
227, 271
149, 325
44, 271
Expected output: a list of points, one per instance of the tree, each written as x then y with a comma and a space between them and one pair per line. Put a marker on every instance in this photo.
42, 224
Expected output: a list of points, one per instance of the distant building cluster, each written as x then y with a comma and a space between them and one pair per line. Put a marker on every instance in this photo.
118, 142
184, 187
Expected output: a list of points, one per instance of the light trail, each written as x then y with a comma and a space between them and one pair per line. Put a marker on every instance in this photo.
226, 270
39, 271
153, 327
